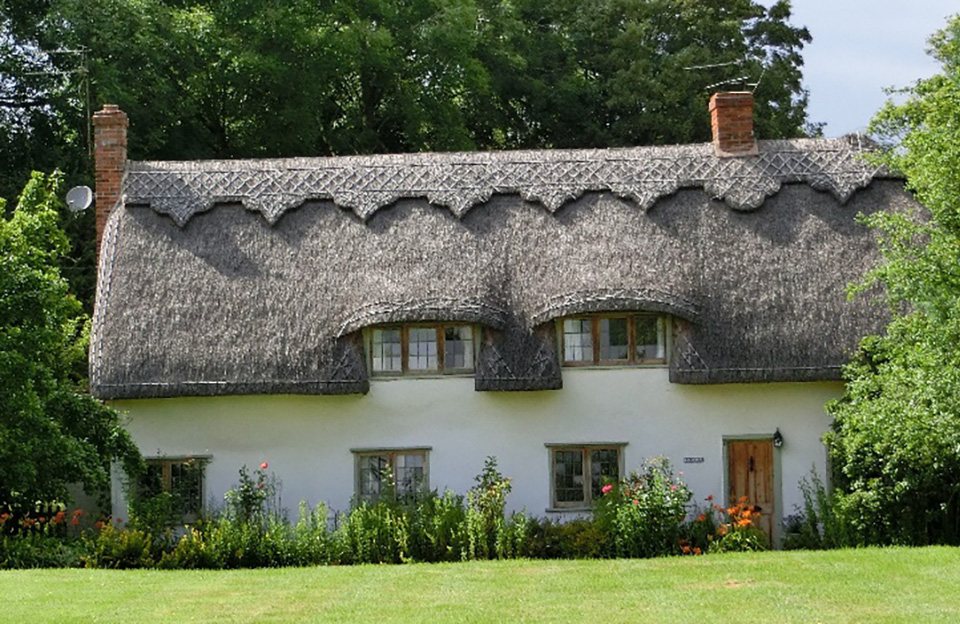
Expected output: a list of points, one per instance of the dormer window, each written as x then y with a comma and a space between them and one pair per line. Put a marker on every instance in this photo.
422, 349
614, 339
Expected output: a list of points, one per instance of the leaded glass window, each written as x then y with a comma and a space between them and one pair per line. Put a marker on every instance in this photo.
612, 339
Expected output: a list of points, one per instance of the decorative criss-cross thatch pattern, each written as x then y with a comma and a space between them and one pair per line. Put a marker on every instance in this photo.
460, 181
222, 301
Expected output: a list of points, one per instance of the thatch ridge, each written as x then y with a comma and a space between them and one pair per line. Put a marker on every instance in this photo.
462, 180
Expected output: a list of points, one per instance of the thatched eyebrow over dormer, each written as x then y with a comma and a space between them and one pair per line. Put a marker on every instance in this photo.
229, 277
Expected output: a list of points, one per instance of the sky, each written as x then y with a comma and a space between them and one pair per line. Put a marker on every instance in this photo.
861, 47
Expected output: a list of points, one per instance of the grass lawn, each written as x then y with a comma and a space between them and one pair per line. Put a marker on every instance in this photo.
869, 585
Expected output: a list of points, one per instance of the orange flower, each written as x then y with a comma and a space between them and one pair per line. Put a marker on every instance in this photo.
722, 530
697, 551
702, 518
78, 512
744, 523
743, 499
745, 513
686, 550
709, 498
732, 511
98, 525
75, 520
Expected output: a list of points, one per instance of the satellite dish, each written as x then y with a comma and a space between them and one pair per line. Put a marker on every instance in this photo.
79, 198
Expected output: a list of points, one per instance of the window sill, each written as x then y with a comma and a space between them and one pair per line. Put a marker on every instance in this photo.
398, 377
612, 366
555, 510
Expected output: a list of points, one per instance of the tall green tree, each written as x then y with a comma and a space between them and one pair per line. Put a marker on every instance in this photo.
52, 434
895, 446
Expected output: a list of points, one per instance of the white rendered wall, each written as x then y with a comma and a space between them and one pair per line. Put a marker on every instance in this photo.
307, 439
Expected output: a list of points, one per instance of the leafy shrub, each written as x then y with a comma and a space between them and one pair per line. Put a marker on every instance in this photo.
374, 532
437, 527
643, 514
820, 524
485, 523
117, 548
576, 539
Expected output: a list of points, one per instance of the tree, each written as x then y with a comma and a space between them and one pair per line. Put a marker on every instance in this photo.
895, 444
52, 434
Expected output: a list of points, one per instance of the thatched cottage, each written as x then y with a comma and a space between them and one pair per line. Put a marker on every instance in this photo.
570, 312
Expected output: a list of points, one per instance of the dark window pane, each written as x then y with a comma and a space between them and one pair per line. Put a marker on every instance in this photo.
186, 482
614, 341
650, 338
409, 472
604, 468
373, 469
568, 476
458, 348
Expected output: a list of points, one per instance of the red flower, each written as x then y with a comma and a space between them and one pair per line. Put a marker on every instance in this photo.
636, 502
119, 520
43, 519
264, 466
78, 512
697, 551
606, 488
97, 525
702, 518
710, 498
75, 520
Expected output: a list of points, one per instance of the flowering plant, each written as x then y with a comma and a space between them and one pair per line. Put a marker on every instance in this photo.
643, 513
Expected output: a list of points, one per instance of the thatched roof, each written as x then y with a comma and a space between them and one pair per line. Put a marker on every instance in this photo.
199, 294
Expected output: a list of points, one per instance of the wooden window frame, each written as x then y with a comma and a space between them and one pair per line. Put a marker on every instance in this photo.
584, 449
390, 453
405, 370
632, 359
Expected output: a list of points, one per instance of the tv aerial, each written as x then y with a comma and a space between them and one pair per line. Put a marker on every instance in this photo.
741, 80
79, 198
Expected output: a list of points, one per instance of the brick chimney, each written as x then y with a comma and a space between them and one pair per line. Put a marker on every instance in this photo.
731, 117
110, 161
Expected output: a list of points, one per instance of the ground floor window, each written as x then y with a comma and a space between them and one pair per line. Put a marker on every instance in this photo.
403, 472
579, 472
181, 477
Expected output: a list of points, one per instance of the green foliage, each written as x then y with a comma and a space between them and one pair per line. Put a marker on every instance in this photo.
895, 443
736, 531
643, 514
51, 432
487, 528
820, 525
225, 78
117, 548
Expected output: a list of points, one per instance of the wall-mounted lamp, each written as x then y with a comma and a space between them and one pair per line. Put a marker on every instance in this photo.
777, 438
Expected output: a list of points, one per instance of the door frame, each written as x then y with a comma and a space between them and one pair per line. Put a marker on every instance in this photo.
776, 517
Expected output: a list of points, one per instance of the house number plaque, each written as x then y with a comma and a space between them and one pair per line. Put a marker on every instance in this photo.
693, 460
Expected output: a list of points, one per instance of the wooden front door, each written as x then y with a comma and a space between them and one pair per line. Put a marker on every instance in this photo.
750, 474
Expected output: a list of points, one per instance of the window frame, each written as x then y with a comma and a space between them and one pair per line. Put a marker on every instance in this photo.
585, 450
632, 360
390, 453
405, 370
166, 463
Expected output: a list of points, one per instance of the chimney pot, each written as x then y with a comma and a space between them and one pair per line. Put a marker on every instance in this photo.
731, 118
